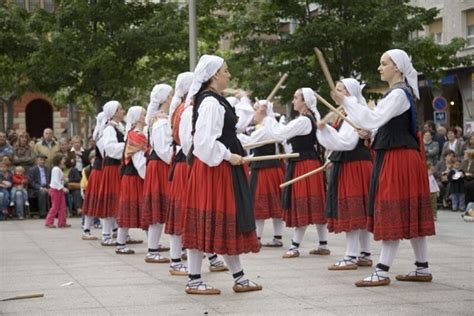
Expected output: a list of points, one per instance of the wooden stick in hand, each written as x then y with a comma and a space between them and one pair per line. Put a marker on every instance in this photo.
333, 109
277, 87
303, 176
325, 68
20, 297
270, 157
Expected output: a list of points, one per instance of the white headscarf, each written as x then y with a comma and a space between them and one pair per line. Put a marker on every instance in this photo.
207, 67
99, 124
158, 95
355, 89
109, 109
181, 87
310, 99
133, 115
403, 62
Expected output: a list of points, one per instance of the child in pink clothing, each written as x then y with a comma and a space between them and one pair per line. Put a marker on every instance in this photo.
56, 192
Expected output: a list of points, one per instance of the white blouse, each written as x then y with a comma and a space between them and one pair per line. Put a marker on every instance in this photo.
345, 139
185, 129
394, 104
57, 178
245, 112
112, 147
258, 135
161, 139
208, 129
297, 127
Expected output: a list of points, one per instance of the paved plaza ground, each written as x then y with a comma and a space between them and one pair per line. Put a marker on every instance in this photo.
83, 278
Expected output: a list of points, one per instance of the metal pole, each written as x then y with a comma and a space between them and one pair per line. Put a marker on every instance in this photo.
192, 35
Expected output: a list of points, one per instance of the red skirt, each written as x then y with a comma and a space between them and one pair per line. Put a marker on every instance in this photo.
352, 197
129, 207
210, 222
177, 194
268, 193
91, 196
402, 208
308, 197
155, 193
109, 192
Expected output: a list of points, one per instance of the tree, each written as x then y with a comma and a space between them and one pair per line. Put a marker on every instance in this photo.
109, 49
16, 47
352, 35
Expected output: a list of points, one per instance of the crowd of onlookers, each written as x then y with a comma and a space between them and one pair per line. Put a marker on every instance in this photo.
450, 157
25, 172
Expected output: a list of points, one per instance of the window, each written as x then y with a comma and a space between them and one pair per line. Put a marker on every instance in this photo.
436, 30
49, 5
21, 4
470, 28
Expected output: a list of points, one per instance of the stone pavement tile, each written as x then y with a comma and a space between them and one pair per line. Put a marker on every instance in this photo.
448, 308
384, 309
427, 295
35, 282
66, 312
116, 296
59, 299
165, 308
251, 303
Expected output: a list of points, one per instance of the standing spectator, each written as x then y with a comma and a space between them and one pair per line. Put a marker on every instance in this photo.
442, 138
431, 148
453, 144
5, 184
5, 148
47, 147
56, 192
73, 179
456, 186
434, 190
79, 153
39, 177
19, 194
24, 155
430, 126
469, 144
459, 133
468, 167
441, 174
64, 147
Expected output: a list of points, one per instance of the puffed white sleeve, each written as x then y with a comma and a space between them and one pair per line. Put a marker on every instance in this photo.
139, 162
394, 104
260, 134
113, 148
208, 129
297, 127
161, 140
343, 140
245, 113
185, 130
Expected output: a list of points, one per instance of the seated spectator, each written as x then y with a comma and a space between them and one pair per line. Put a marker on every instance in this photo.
431, 148
5, 148
47, 147
5, 185
39, 177
469, 144
468, 167
453, 144
79, 152
441, 174
18, 193
24, 155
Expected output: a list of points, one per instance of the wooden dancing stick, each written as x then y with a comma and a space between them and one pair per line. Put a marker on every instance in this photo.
325, 68
277, 87
258, 144
333, 109
20, 297
303, 176
270, 157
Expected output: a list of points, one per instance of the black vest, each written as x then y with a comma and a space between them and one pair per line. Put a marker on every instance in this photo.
397, 133
360, 152
111, 161
305, 145
98, 159
229, 134
265, 150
